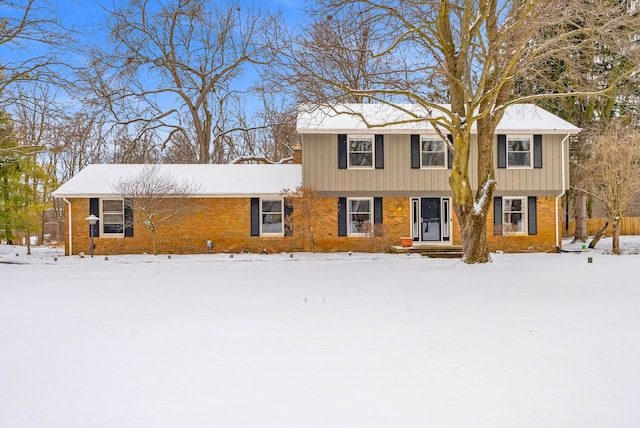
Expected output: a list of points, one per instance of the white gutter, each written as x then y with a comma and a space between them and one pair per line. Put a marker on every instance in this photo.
70, 235
564, 188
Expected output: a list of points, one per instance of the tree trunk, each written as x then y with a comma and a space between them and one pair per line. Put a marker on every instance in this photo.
599, 235
580, 216
615, 233
153, 242
474, 239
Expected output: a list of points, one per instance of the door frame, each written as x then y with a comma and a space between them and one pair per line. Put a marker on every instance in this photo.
415, 221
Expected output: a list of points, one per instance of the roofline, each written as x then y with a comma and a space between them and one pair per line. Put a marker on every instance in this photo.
194, 196
384, 131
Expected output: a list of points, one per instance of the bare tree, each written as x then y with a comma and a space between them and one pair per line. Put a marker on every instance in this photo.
305, 214
154, 196
472, 52
614, 168
274, 142
34, 37
174, 67
331, 50
591, 113
35, 120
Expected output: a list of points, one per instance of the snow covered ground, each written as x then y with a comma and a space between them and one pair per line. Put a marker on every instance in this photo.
325, 340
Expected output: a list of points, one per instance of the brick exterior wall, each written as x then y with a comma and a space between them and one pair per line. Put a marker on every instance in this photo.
543, 241
226, 222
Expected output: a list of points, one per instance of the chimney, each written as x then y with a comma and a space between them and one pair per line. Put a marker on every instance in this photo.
297, 154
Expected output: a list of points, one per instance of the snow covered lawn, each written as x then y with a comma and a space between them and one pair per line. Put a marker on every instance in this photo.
325, 340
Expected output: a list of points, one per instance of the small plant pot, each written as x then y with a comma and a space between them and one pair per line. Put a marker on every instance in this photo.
406, 242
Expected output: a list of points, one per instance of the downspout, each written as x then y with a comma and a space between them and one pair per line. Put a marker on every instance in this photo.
70, 235
564, 188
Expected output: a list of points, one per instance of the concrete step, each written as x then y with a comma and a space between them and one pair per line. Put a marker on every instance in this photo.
433, 251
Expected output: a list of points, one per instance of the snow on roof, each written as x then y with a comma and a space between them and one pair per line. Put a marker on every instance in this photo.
238, 180
405, 118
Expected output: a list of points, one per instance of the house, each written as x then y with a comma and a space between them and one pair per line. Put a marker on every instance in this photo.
374, 183
382, 166
236, 207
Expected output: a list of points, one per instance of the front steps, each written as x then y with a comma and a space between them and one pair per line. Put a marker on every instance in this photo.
433, 251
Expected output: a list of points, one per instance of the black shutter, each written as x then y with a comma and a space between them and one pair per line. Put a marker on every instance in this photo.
288, 221
415, 151
128, 217
532, 215
342, 216
255, 216
379, 151
377, 216
502, 151
450, 152
537, 151
497, 215
94, 208
377, 210
342, 151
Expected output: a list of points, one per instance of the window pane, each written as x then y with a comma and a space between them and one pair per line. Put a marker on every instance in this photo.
519, 145
112, 228
272, 223
111, 205
433, 159
360, 205
112, 218
272, 216
519, 159
512, 205
432, 146
361, 159
273, 206
361, 145
519, 152
361, 152
360, 216
513, 215
360, 223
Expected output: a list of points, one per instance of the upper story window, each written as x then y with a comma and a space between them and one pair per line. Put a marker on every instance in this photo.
361, 152
112, 217
359, 216
433, 152
271, 215
513, 215
519, 152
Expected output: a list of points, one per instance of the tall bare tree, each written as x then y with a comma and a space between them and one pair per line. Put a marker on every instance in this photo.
174, 68
591, 113
328, 51
472, 51
31, 40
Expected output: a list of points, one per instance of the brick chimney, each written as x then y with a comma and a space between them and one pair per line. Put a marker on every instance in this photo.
297, 154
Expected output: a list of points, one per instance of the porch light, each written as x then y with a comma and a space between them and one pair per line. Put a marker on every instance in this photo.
92, 219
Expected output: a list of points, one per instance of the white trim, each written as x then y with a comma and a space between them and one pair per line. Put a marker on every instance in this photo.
371, 215
69, 226
104, 234
445, 153
525, 215
373, 150
443, 224
564, 189
519, 137
272, 234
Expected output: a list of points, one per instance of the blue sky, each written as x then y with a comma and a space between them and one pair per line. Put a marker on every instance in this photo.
88, 17
88, 14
